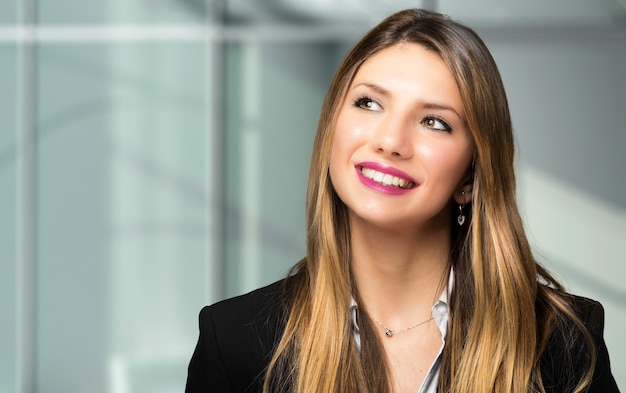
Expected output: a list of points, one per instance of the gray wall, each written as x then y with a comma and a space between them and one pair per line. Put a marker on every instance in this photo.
567, 94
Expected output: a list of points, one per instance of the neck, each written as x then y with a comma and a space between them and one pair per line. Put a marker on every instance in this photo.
399, 274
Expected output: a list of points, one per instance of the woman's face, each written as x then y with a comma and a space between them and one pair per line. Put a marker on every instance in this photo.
401, 147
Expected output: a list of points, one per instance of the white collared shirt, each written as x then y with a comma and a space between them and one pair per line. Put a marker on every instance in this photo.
440, 316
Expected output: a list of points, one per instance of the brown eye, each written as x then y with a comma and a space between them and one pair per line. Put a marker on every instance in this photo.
436, 123
367, 104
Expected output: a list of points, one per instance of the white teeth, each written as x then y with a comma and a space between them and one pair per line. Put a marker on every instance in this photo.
386, 179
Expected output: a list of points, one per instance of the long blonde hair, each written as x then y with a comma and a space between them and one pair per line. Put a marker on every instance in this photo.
504, 307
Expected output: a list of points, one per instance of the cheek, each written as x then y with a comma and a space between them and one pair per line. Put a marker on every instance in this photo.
338, 156
350, 130
337, 172
449, 163
343, 145
347, 138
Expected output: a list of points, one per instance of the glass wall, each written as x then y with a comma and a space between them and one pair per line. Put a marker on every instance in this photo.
111, 209
8, 214
154, 159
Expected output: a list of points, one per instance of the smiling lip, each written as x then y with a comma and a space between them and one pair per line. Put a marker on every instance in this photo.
385, 179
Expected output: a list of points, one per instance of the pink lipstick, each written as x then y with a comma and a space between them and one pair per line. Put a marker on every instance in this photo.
385, 179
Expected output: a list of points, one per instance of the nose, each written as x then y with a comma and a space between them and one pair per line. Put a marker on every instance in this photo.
392, 138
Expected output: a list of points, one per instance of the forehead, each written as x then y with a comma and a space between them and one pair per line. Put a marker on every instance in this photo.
407, 60
412, 70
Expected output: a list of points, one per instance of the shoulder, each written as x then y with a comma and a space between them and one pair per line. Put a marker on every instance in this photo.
247, 323
248, 309
568, 354
237, 340
590, 312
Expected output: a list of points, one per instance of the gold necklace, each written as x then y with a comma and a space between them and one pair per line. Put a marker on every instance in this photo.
389, 332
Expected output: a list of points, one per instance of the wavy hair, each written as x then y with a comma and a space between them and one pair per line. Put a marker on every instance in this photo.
504, 308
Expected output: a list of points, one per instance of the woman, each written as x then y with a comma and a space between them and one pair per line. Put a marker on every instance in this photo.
418, 274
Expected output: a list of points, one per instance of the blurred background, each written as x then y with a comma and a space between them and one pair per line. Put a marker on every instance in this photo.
154, 155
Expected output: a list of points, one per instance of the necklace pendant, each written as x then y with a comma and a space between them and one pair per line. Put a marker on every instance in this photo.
388, 332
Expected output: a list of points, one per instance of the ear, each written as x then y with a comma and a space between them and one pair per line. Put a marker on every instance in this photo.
463, 193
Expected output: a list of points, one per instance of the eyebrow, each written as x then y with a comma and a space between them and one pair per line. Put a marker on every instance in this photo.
428, 105
432, 105
375, 87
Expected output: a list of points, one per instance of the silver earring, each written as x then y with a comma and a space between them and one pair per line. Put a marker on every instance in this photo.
461, 218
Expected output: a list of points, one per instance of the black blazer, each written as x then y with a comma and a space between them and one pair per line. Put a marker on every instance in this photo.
238, 336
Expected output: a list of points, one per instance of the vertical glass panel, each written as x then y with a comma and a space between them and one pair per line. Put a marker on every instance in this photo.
8, 208
275, 91
122, 215
8, 12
